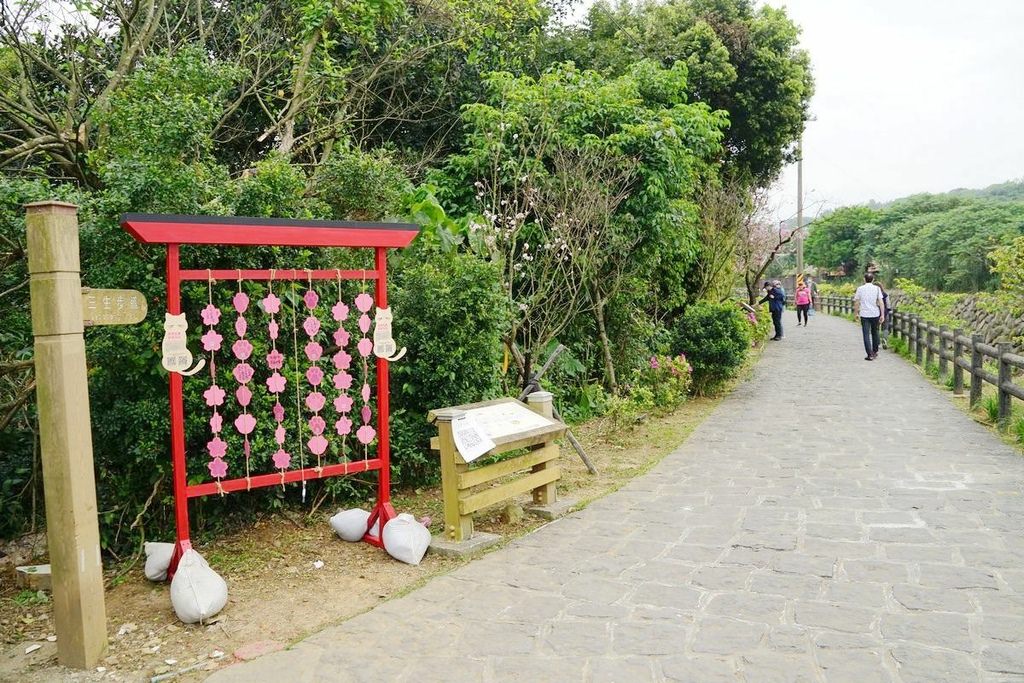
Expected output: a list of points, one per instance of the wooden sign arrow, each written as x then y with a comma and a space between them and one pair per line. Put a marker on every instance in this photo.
112, 306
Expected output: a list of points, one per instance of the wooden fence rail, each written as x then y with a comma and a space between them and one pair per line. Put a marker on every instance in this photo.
966, 353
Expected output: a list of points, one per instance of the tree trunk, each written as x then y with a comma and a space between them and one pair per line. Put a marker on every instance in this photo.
606, 346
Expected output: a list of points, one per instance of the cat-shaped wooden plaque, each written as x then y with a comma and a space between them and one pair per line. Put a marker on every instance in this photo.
176, 357
384, 345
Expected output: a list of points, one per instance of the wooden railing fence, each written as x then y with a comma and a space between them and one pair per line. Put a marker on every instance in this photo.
967, 354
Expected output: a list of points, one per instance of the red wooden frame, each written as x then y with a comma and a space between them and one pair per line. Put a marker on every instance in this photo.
175, 231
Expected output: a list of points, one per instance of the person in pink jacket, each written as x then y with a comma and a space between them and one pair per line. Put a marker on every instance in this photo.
802, 299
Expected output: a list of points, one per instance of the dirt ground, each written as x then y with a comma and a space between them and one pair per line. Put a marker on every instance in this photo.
277, 596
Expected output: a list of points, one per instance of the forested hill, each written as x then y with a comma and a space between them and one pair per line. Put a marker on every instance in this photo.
942, 241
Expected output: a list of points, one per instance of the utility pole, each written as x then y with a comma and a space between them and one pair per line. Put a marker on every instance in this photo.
800, 207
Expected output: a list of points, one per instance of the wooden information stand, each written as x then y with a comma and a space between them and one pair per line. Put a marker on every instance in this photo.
511, 427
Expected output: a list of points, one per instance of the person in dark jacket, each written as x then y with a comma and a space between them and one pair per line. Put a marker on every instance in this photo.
776, 299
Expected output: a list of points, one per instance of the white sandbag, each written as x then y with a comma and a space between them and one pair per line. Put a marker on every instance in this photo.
350, 525
158, 559
197, 592
405, 539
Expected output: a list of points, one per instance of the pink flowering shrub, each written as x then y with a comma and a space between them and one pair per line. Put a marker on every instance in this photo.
664, 382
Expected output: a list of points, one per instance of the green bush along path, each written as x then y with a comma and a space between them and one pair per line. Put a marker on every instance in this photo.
833, 520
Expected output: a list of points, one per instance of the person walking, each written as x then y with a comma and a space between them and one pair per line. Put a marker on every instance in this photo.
776, 303
868, 306
813, 287
802, 299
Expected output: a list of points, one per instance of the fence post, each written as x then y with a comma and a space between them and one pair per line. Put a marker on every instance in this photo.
919, 340
62, 396
929, 344
958, 371
943, 353
1005, 377
976, 369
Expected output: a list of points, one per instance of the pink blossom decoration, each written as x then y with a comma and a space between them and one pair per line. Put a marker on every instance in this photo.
365, 434
210, 315
343, 381
318, 444
364, 323
241, 326
278, 411
216, 423
240, 301
218, 468
343, 404
339, 311
343, 426
341, 337
279, 434
245, 423
273, 328
243, 373
276, 383
314, 351
315, 401
365, 347
365, 393
317, 424
342, 360
364, 302
311, 325
217, 447
243, 395
214, 396
211, 340
314, 375
365, 413
275, 360
271, 304
311, 298
282, 459
242, 349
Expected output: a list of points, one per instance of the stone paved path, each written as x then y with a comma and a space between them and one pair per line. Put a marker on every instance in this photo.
833, 520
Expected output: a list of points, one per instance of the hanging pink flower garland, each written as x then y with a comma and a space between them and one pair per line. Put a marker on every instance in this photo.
276, 382
243, 373
214, 395
342, 379
366, 433
315, 400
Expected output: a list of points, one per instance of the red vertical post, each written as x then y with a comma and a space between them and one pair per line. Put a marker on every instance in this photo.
179, 471
384, 511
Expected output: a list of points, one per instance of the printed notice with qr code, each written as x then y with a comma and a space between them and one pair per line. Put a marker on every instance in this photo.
470, 439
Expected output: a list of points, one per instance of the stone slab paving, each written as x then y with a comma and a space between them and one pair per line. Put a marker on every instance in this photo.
832, 520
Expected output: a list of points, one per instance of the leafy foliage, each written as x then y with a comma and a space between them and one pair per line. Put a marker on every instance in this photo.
715, 339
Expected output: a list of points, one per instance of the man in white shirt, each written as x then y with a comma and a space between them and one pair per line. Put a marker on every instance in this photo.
867, 305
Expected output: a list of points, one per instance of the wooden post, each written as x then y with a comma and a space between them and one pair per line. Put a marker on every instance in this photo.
1005, 377
943, 354
929, 344
958, 371
457, 527
62, 396
541, 402
976, 368
919, 339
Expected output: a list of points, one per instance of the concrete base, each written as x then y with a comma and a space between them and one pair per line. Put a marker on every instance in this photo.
34, 576
559, 508
479, 541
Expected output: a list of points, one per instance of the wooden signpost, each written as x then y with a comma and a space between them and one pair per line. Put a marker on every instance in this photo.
511, 425
112, 307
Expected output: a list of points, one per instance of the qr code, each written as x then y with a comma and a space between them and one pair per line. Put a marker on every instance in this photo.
470, 438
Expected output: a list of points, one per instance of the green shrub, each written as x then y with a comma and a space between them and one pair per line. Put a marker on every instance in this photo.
450, 313
715, 338
991, 407
1018, 429
668, 380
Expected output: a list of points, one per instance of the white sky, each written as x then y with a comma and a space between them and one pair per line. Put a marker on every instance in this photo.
910, 96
